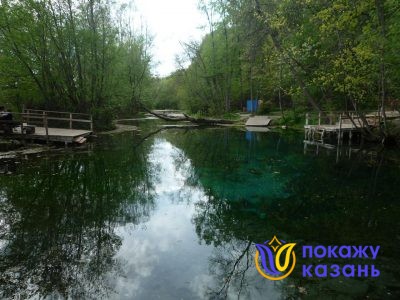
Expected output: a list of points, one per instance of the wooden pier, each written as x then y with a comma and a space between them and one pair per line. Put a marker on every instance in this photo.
330, 136
51, 126
338, 131
340, 125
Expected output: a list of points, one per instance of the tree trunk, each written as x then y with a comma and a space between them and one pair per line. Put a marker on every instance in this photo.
277, 44
200, 121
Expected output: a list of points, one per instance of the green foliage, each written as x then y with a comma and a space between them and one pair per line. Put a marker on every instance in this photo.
231, 116
330, 55
103, 118
264, 108
333, 55
292, 118
168, 92
71, 55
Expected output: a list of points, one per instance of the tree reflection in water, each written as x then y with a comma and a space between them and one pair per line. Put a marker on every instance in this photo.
58, 220
316, 201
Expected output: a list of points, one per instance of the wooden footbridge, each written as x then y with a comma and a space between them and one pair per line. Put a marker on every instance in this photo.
49, 126
340, 125
329, 131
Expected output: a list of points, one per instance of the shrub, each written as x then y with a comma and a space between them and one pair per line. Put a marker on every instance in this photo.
264, 108
292, 118
103, 118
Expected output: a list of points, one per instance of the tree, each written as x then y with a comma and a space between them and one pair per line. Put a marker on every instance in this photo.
73, 53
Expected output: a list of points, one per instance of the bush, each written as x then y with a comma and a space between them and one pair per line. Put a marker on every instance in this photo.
292, 118
103, 119
264, 108
231, 116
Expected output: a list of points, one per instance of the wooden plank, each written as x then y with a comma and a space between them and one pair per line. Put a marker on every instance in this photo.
345, 127
68, 119
80, 140
257, 129
56, 112
54, 134
62, 132
258, 121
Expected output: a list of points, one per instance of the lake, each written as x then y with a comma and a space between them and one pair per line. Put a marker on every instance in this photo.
176, 214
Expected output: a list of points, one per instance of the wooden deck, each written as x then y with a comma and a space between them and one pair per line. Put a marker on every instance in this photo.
349, 124
320, 132
262, 121
47, 126
333, 128
54, 134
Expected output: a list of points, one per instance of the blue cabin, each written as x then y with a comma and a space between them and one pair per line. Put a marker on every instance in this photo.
252, 105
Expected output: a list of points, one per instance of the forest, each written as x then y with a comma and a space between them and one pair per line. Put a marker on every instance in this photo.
81, 56
320, 55
295, 55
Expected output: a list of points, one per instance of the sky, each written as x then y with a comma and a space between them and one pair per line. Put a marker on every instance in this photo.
170, 22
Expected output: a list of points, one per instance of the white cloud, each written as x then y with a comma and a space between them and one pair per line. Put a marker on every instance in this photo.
171, 22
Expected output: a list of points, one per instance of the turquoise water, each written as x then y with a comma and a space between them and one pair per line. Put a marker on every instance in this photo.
176, 215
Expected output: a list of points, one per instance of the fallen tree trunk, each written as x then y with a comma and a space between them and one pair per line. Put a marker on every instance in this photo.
200, 121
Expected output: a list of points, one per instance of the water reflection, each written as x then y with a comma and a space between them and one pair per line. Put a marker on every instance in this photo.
299, 198
58, 221
176, 216
161, 258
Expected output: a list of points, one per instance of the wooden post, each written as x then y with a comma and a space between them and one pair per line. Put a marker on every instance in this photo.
70, 121
91, 123
22, 132
307, 130
350, 136
319, 119
340, 128
23, 118
351, 119
46, 126
337, 154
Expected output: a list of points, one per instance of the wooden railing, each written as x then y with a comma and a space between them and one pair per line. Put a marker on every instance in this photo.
339, 117
41, 118
48, 115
